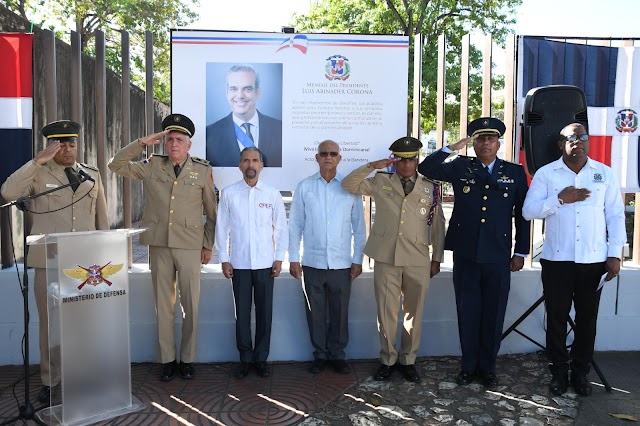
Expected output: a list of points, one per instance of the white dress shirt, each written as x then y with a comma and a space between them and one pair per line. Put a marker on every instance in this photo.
588, 231
254, 220
329, 221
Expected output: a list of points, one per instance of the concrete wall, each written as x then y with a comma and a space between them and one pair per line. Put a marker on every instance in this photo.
10, 22
290, 338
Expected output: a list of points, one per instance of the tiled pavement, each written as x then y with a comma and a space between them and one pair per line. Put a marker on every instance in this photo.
293, 396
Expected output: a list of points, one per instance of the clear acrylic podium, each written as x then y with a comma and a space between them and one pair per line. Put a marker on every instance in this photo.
88, 303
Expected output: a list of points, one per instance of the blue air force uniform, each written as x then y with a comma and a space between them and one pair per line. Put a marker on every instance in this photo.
480, 236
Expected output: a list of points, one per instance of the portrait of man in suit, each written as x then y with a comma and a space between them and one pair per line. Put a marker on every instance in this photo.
245, 126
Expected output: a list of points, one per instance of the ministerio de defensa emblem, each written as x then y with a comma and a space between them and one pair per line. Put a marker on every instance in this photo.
94, 274
337, 68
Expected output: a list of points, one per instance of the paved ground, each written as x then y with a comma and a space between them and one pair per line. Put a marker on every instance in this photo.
293, 396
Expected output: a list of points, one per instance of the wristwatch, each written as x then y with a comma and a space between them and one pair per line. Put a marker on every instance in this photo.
561, 201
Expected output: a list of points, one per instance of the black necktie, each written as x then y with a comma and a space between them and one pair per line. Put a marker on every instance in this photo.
176, 169
486, 171
72, 175
247, 130
407, 185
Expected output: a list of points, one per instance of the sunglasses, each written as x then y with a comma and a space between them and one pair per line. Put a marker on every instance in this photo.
328, 153
574, 138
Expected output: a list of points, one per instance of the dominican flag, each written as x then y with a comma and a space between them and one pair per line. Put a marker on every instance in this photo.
610, 79
16, 101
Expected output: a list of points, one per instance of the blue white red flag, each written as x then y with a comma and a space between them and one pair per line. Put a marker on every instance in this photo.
610, 79
16, 101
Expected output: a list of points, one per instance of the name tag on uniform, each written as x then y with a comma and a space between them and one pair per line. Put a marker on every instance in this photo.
51, 185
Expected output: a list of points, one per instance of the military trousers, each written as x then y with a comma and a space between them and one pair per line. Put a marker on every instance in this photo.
167, 264
390, 284
482, 291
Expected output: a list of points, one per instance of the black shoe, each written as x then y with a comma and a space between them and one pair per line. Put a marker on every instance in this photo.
341, 366
580, 384
45, 394
384, 372
410, 373
241, 370
168, 371
489, 380
463, 378
263, 368
559, 383
317, 365
187, 371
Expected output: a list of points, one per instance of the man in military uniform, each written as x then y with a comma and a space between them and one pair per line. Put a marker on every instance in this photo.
178, 188
488, 193
408, 218
53, 167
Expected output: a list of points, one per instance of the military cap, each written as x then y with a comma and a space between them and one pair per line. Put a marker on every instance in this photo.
406, 147
63, 130
179, 123
486, 126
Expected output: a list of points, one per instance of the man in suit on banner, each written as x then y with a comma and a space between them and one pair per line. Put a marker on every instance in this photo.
489, 192
245, 126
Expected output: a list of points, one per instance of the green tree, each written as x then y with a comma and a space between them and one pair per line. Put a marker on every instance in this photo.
112, 17
431, 18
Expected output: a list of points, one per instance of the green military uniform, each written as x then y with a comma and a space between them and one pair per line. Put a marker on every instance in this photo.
88, 214
175, 235
399, 243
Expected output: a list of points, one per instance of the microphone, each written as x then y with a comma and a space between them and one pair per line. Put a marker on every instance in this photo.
85, 176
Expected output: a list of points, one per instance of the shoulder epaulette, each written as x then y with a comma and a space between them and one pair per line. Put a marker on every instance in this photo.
159, 155
433, 181
384, 173
87, 166
200, 161
511, 162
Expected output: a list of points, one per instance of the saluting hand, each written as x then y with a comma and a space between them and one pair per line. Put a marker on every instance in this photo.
462, 143
48, 153
153, 139
571, 194
381, 164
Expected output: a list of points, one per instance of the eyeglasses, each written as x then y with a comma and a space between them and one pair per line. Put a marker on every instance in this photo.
574, 138
328, 153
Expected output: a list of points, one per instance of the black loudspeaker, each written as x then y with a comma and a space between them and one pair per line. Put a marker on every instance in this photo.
547, 110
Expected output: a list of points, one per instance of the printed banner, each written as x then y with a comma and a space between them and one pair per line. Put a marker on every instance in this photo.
286, 93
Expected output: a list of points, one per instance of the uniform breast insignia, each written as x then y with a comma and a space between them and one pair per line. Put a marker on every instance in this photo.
193, 175
387, 188
87, 166
466, 189
423, 211
51, 185
597, 178
94, 274
505, 179
200, 161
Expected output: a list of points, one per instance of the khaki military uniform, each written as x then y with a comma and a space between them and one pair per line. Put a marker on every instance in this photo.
88, 214
175, 234
399, 243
